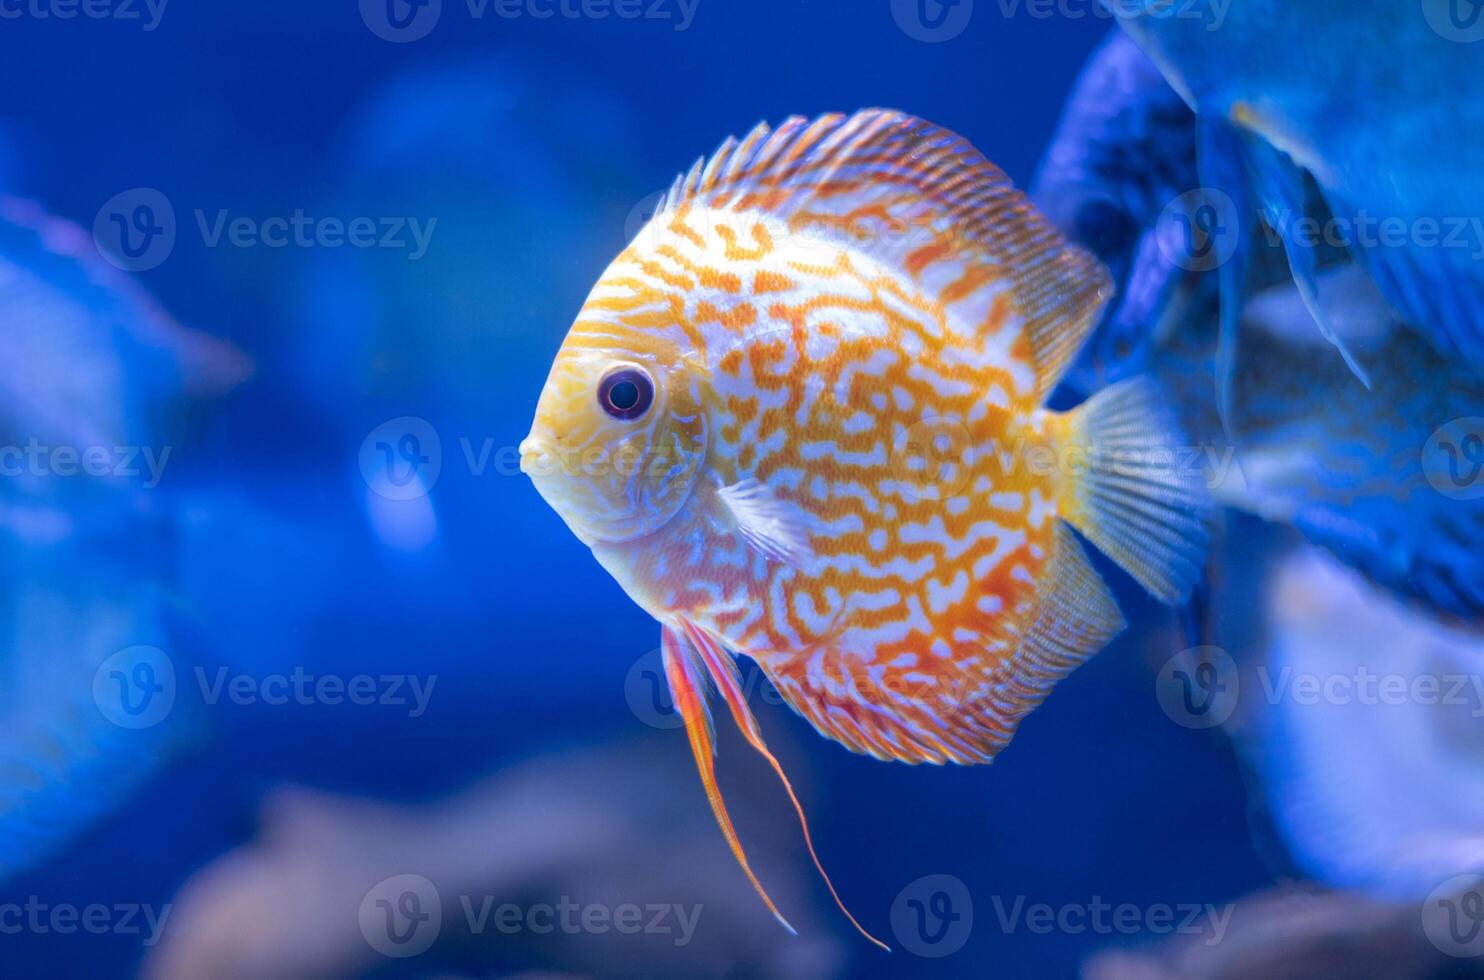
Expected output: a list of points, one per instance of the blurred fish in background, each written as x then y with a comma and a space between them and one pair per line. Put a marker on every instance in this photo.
1375, 775
93, 393
1123, 150
1361, 718
1291, 933
1362, 473
1304, 442
1365, 452
1288, 113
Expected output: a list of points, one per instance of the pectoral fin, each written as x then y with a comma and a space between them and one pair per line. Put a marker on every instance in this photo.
775, 527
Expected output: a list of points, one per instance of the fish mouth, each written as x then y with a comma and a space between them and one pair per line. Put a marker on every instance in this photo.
535, 456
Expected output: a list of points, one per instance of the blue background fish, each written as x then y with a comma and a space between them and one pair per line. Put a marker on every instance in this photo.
1124, 149
1284, 93
1363, 472
94, 368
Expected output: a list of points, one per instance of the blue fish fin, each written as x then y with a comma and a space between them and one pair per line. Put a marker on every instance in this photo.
1441, 290
1280, 187
1219, 165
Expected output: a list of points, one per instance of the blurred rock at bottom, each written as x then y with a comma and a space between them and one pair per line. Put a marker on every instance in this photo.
596, 864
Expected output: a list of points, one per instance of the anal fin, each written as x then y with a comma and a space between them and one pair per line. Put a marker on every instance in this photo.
1075, 616
966, 706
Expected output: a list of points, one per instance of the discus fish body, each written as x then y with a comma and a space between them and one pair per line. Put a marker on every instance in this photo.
801, 418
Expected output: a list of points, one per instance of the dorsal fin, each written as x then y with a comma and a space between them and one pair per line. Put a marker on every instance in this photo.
923, 201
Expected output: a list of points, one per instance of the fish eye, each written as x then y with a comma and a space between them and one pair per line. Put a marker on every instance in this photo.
626, 392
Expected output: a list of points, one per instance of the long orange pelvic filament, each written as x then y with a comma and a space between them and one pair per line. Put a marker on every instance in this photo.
689, 699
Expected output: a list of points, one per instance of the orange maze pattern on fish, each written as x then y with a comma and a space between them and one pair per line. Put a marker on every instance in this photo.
901, 430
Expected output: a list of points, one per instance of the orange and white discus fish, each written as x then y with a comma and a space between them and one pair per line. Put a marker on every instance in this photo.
801, 418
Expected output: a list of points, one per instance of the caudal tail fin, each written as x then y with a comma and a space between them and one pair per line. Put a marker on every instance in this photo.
1139, 494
